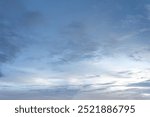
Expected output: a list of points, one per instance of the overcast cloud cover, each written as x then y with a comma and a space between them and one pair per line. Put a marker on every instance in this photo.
74, 49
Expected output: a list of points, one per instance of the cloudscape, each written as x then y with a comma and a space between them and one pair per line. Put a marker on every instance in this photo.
74, 49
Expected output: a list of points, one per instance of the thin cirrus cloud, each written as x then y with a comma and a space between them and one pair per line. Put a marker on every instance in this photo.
74, 49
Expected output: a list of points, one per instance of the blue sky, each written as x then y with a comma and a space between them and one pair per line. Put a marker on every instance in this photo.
74, 49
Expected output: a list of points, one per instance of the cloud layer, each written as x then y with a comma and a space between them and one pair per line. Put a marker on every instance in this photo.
74, 49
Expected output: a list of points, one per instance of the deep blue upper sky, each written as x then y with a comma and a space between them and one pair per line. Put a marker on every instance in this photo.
72, 49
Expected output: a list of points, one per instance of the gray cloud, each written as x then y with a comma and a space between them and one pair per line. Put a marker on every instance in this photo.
132, 94
79, 42
73, 43
7, 50
34, 19
1, 75
10, 39
57, 93
14, 35
141, 84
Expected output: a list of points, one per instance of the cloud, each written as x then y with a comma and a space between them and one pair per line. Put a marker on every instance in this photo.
10, 38
75, 43
141, 84
1, 75
131, 94
48, 93
14, 36
147, 8
34, 19
7, 50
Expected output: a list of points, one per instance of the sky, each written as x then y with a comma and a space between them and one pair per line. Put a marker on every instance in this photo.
74, 49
